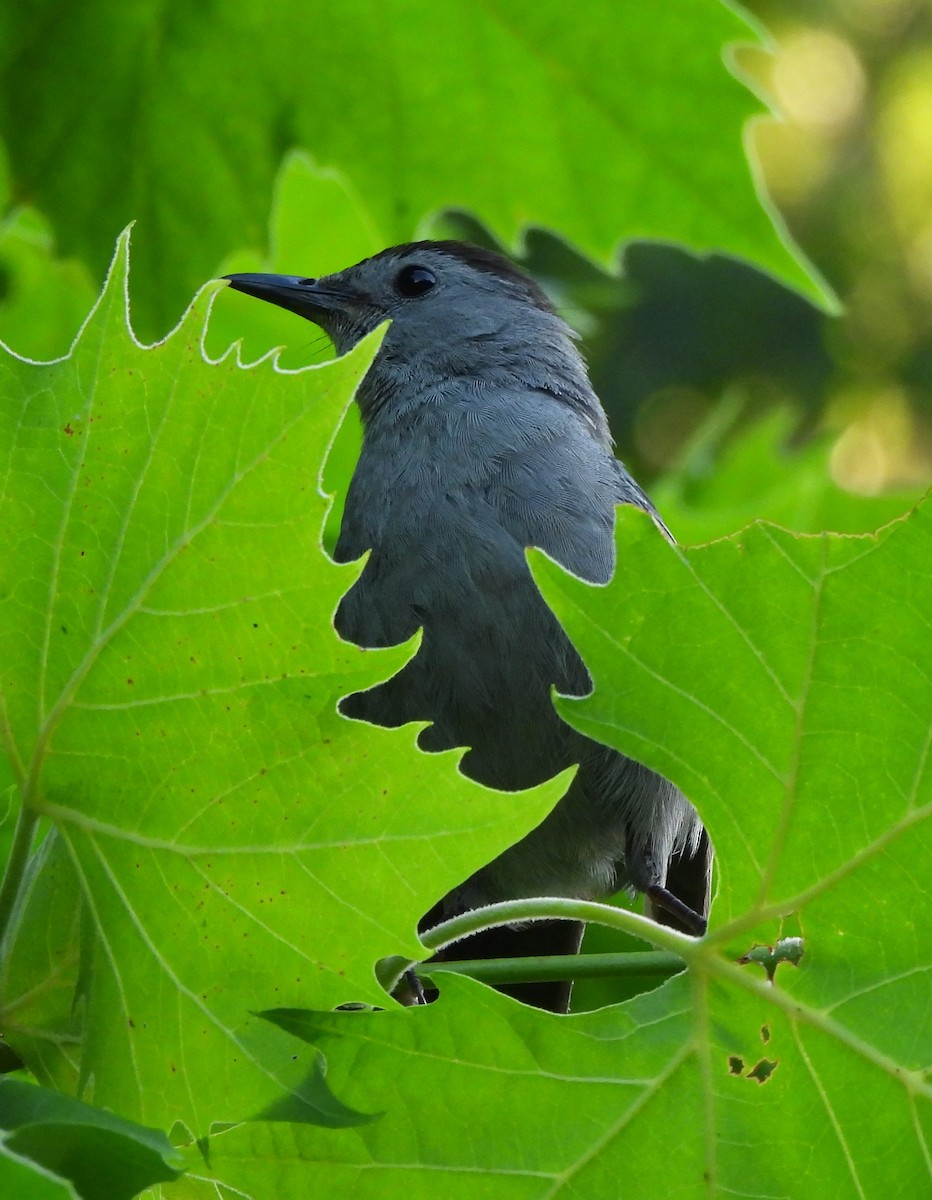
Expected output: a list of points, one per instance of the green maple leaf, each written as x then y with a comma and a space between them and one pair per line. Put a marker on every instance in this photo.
784, 682
606, 122
48, 1139
781, 681
224, 840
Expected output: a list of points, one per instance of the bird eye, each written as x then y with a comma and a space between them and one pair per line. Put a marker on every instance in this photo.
414, 281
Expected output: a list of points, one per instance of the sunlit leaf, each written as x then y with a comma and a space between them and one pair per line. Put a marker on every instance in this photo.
170, 676
605, 122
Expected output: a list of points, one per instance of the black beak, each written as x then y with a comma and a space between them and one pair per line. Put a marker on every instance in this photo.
299, 295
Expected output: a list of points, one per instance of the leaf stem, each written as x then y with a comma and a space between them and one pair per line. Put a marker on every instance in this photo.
552, 967
16, 867
558, 908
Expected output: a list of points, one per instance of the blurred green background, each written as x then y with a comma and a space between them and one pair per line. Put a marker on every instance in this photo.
849, 170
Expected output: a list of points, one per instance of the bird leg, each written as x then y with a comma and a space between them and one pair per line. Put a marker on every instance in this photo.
687, 917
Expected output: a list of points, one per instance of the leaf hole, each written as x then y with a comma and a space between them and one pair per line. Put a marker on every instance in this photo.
763, 1070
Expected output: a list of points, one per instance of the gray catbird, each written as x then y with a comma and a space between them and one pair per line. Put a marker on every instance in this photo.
482, 436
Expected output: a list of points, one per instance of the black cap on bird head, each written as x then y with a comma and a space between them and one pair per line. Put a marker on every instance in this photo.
350, 303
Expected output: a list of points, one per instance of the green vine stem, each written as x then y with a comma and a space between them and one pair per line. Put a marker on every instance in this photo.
512, 912
547, 969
